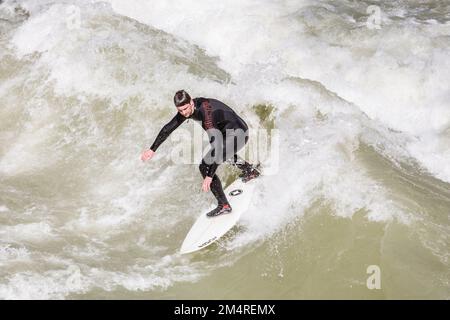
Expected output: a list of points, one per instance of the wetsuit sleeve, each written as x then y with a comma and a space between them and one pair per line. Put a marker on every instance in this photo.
167, 130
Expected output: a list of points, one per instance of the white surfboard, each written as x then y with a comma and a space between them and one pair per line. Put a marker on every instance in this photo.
206, 230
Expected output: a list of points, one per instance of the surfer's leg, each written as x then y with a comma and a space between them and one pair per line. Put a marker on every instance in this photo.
216, 185
235, 140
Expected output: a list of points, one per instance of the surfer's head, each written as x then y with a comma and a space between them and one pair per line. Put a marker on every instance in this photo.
184, 103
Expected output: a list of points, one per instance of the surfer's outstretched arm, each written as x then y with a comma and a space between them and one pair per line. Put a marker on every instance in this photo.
165, 132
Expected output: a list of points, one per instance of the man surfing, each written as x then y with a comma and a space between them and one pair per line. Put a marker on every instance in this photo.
227, 132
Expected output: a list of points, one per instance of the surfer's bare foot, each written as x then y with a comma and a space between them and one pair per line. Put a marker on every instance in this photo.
221, 209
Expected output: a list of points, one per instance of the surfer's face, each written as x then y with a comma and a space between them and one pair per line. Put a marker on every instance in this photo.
186, 109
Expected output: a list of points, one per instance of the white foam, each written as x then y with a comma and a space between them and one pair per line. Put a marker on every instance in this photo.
433, 150
52, 284
26, 152
35, 232
10, 254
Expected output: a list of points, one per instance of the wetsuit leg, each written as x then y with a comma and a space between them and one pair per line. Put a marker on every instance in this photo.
216, 185
233, 143
234, 140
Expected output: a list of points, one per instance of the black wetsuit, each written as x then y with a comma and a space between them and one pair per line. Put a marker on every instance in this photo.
216, 118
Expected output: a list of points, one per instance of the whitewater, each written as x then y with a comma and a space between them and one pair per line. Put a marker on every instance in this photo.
357, 93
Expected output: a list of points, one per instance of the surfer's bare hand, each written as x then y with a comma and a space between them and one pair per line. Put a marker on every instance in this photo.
147, 155
206, 184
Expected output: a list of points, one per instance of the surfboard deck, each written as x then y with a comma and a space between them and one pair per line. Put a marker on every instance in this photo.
207, 230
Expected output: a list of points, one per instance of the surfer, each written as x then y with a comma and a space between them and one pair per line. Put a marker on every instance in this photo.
227, 133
